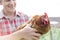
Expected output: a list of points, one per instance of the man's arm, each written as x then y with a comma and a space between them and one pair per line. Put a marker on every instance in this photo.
6, 37
27, 33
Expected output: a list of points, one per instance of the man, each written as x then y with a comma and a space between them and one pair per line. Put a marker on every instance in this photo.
0, 2
10, 20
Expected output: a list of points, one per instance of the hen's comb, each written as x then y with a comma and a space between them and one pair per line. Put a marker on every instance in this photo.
45, 18
45, 14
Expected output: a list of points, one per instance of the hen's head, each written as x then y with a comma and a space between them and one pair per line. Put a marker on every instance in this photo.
41, 23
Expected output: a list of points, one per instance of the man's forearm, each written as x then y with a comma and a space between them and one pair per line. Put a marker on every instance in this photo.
18, 35
4, 37
9, 37
12, 36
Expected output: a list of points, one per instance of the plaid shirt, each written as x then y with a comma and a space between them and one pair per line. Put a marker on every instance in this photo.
8, 26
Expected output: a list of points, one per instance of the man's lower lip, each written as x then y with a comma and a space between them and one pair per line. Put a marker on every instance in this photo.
10, 7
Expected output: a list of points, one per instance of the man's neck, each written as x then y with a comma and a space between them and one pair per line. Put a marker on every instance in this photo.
8, 13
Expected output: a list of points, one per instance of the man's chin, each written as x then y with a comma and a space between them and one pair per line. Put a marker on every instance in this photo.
11, 10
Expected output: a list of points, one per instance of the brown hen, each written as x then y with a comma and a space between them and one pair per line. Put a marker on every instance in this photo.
40, 22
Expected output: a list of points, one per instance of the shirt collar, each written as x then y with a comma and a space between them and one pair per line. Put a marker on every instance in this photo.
3, 16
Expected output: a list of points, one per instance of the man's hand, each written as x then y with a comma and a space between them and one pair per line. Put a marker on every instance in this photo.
27, 33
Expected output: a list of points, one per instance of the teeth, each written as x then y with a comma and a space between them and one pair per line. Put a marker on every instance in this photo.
10, 6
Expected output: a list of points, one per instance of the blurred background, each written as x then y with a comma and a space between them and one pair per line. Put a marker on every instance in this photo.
32, 7
38, 7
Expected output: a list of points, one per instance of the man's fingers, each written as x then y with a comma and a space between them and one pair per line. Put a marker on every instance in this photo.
28, 25
29, 28
36, 35
34, 38
29, 38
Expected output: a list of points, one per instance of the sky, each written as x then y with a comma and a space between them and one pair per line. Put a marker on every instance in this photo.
37, 7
